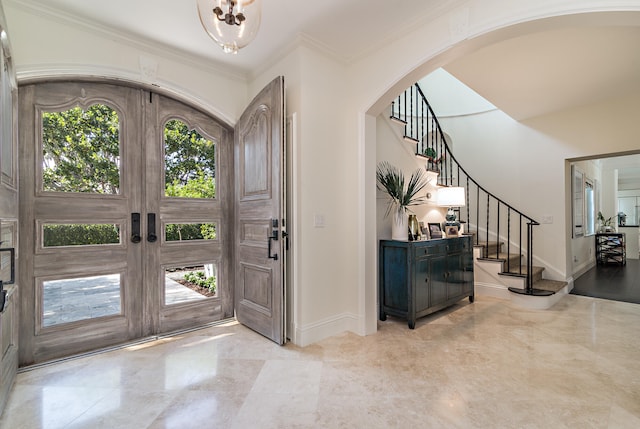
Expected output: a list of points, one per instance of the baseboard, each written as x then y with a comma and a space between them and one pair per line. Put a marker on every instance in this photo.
583, 268
314, 332
492, 290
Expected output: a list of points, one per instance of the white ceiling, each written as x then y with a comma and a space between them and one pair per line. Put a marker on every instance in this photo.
525, 76
345, 28
551, 71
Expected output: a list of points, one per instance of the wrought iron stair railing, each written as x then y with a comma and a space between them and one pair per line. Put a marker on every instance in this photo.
490, 219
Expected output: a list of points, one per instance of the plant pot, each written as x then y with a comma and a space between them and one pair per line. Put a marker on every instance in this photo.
399, 226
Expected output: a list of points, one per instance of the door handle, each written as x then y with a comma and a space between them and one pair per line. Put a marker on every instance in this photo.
135, 228
274, 237
151, 228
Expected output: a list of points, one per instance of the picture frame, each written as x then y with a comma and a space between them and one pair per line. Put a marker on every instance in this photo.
435, 231
423, 230
451, 230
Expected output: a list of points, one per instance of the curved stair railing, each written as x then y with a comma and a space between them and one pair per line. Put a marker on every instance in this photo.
491, 220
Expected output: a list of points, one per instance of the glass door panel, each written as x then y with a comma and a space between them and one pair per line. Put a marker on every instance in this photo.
80, 175
72, 299
193, 255
81, 150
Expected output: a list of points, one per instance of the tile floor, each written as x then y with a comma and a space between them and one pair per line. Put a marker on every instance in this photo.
481, 365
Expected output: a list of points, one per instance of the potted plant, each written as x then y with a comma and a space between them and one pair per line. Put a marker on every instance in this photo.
391, 179
432, 158
606, 225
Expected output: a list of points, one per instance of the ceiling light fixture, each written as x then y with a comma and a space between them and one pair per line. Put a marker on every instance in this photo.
232, 24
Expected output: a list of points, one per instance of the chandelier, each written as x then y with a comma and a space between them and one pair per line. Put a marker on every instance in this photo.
233, 24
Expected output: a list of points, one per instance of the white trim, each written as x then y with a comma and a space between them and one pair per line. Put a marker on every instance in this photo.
317, 331
294, 229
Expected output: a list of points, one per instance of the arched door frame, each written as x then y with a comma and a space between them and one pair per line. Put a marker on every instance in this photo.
557, 18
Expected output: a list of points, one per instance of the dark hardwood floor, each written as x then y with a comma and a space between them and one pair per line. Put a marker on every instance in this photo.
618, 283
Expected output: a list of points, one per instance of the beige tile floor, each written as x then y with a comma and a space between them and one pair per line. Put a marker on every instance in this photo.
481, 365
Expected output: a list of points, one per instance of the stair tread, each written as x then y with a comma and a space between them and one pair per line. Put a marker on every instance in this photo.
516, 270
411, 139
503, 256
551, 285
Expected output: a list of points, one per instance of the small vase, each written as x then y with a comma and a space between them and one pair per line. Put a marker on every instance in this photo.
399, 226
414, 228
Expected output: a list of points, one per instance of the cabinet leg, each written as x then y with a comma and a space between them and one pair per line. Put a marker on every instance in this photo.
383, 316
471, 298
412, 324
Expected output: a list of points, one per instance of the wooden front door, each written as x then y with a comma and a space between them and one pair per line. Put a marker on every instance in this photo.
259, 206
125, 216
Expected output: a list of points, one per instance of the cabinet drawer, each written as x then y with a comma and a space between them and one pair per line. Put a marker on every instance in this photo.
432, 249
456, 246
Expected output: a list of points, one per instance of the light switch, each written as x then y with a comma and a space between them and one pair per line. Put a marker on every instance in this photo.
318, 220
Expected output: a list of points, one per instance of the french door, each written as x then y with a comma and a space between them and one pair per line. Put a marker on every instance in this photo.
126, 204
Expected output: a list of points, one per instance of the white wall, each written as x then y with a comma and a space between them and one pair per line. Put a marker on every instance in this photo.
400, 153
325, 271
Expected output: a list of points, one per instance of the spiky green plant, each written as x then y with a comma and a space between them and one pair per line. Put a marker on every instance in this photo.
391, 180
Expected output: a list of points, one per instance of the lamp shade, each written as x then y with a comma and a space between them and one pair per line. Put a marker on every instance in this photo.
452, 196
233, 24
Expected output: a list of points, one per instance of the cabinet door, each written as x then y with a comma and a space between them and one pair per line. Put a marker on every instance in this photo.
395, 278
456, 275
438, 280
467, 268
421, 283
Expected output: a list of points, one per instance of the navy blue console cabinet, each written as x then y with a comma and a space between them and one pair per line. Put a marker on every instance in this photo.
420, 277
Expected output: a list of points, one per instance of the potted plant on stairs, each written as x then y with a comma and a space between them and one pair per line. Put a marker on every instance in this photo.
391, 179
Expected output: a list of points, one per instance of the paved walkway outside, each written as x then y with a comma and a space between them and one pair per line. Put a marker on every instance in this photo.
69, 300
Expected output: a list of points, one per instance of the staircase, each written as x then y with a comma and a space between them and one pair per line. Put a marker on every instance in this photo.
502, 235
